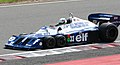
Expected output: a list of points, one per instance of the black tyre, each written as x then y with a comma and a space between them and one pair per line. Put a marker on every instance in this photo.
60, 40
49, 42
108, 32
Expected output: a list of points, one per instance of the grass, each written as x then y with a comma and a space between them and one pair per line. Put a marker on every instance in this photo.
7, 1
11, 1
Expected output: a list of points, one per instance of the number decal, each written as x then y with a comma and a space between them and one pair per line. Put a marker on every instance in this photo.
12, 38
71, 38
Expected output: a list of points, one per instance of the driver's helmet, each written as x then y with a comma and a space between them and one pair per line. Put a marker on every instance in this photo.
62, 21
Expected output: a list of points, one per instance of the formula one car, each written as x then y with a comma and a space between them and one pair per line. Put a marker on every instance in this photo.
73, 30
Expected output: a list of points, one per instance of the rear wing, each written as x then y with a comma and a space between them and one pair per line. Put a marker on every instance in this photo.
103, 17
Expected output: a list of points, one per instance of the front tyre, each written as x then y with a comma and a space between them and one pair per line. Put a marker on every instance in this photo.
49, 42
108, 32
60, 40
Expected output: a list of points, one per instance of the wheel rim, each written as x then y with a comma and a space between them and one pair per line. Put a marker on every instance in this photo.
61, 41
51, 43
112, 33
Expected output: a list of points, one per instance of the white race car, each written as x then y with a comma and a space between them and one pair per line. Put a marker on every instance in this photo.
69, 31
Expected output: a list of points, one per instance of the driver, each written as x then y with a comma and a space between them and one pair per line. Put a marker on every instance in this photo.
61, 21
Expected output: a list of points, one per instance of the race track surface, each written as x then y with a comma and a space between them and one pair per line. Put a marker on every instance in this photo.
27, 19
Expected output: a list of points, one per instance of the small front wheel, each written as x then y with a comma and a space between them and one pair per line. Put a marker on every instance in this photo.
49, 42
60, 40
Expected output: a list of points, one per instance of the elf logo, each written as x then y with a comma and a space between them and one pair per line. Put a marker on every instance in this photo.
78, 38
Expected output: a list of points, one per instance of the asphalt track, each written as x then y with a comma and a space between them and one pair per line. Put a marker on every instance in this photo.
26, 19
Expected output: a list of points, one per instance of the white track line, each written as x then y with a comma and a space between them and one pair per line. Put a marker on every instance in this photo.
51, 50
17, 5
117, 41
55, 51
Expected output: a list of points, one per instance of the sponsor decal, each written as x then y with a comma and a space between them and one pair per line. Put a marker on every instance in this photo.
68, 38
79, 24
77, 38
115, 17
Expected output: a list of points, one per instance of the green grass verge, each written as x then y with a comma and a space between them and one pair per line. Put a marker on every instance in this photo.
7, 1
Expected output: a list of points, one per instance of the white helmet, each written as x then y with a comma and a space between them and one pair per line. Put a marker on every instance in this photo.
62, 20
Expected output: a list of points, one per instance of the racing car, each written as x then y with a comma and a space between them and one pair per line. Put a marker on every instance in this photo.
99, 27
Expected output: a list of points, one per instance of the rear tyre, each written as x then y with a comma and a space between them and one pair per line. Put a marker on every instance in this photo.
49, 42
108, 32
60, 40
